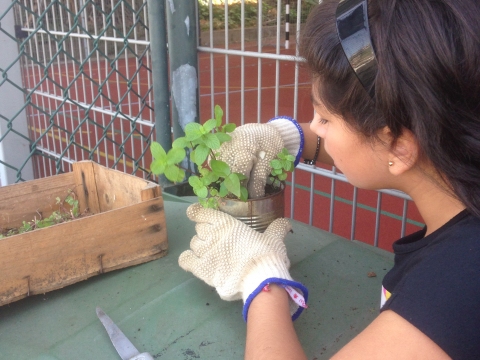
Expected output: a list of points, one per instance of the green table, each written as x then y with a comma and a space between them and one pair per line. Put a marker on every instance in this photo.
173, 315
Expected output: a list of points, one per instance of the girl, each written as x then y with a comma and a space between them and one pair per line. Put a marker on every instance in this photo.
396, 93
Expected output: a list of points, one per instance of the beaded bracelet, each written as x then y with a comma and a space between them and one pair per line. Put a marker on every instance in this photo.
317, 151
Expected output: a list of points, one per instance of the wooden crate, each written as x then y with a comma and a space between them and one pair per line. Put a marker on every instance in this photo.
127, 227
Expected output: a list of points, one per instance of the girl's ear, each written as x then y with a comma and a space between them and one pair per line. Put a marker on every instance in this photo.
403, 153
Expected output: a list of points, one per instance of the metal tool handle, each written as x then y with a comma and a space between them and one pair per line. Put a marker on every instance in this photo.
142, 356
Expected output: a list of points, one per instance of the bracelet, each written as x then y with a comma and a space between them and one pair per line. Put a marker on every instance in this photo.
317, 151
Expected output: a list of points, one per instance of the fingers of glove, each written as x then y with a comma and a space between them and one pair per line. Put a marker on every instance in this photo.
229, 293
188, 261
258, 179
200, 246
239, 158
196, 212
279, 228
206, 231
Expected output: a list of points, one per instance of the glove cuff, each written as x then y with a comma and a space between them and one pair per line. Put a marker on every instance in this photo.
295, 310
270, 270
269, 266
291, 133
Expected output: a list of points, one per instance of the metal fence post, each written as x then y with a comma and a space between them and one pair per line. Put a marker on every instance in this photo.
182, 40
14, 148
159, 53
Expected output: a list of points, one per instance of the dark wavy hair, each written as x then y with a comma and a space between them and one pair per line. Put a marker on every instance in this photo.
428, 81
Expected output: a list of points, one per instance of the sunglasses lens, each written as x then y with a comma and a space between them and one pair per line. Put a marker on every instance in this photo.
354, 34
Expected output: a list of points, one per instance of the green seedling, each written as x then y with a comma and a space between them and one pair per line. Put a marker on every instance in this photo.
59, 216
281, 166
214, 178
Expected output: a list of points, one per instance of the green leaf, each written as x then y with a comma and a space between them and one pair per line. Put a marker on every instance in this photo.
233, 184
195, 182
175, 155
181, 142
241, 176
201, 192
211, 177
193, 131
174, 173
290, 158
277, 171
223, 137
220, 168
203, 202
212, 203
276, 164
210, 125
213, 192
282, 177
206, 181
45, 223
218, 115
25, 227
211, 140
201, 154
157, 166
229, 127
157, 150
181, 176
204, 171
243, 193
223, 190
75, 210
192, 156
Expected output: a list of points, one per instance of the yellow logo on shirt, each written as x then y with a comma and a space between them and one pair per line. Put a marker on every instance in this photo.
385, 296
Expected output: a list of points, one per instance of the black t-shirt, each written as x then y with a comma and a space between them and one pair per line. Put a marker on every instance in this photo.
435, 285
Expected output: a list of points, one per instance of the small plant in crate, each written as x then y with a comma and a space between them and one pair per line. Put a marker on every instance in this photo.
63, 214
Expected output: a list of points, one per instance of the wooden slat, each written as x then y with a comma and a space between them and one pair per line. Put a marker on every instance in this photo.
117, 189
32, 199
151, 192
86, 188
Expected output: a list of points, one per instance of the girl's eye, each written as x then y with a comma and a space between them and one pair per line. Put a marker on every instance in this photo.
322, 121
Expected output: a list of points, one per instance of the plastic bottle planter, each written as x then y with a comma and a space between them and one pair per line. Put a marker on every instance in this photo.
256, 213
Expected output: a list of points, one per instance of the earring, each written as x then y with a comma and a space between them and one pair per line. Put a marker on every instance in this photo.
390, 163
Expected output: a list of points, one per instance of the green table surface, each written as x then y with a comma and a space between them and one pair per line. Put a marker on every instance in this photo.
173, 315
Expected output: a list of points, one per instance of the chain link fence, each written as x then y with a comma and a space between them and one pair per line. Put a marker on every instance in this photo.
76, 84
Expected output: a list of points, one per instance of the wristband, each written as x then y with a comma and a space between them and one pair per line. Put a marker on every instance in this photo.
286, 134
288, 285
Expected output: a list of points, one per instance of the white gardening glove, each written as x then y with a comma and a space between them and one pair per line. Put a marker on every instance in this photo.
253, 146
237, 260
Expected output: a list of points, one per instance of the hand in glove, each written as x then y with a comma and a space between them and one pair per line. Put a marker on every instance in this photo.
237, 260
253, 146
